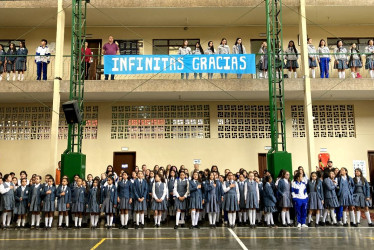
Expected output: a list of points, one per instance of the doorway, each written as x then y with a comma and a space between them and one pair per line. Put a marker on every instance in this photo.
371, 166
262, 163
95, 45
124, 161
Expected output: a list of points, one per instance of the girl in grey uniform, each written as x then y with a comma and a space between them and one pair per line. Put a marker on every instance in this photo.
345, 195
285, 198
181, 188
171, 182
315, 194
63, 194
2, 61
159, 198
109, 199
94, 197
224, 49
269, 201
340, 55
198, 51
242, 205
78, 202
212, 199
232, 199
312, 55
184, 50
291, 56
49, 197
210, 51
369, 51
7, 191
355, 62
252, 198
361, 196
238, 48
21, 198
11, 61
196, 199
263, 63
125, 196
331, 200
34, 202
21, 60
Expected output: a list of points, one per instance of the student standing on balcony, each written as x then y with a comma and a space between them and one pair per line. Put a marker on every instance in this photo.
184, 50
42, 60
87, 59
291, 57
369, 58
210, 51
238, 48
340, 54
323, 58
263, 63
110, 48
198, 51
312, 54
355, 61
2, 61
21, 60
223, 48
10, 61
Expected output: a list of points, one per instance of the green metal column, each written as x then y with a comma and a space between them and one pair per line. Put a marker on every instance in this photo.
73, 161
277, 158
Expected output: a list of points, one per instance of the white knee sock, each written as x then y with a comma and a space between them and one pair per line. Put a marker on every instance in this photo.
108, 220
214, 215
193, 215
289, 74
50, 221
295, 75
250, 217
240, 217
182, 217
197, 218
18, 222
23, 221
79, 221
314, 73
253, 217
372, 74
32, 220
343, 74
288, 217
142, 218
126, 219
266, 74
92, 218
217, 216
210, 216
267, 218
234, 218
340, 75
37, 220
244, 217
367, 215
159, 219
271, 218
137, 219
344, 217
317, 218
333, 215
60, 218
325, 215
353, 74
122, 219
230, 217
4, 218
283, 215
309, 218
352, 217
46, 221
177, 218
96, 220
67, 220
358, 213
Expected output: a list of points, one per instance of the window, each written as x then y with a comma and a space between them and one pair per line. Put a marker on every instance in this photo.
128, 47
160, 122
329, 121
243, 121
360, 42
171, 46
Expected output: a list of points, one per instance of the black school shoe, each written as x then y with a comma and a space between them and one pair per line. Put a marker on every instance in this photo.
136, 226
176, 227
125, 227
183, 225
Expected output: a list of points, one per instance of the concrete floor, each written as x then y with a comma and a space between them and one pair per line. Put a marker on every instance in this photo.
204, 238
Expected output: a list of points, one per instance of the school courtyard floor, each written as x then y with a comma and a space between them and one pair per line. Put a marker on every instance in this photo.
204, 238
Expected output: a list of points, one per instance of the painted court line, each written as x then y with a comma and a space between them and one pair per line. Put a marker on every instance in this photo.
98, 244
237, 239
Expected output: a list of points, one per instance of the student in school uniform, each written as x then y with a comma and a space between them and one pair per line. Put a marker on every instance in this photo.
312, 55
242, 214
315, 194
93, 203
181, 192
35, 200
7, 191
11, 61
260, 210
291, 55
361, 196
184, 50
42, 60
231, 199
109, 201
345, 196
263, 63
171, 183
49, 197
354, 62
140, 190
223, 49
323, 58
159, 201
150, 181
300, 199
210, 51
369, 53
212, 198
21, 200
198, 51
331, 200
78, 199
340, 55
238, 48
269, 201
63, 194
21, 60
252, 198
125, 198
195, 200
2, 61
285, 198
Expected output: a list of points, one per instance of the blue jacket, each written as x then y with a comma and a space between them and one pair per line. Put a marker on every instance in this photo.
329, 188
140, 191
67, 197
365, 187
112, 193
351, 185
208, 187
22, 53
269, 198
78, 195
194, 191
125, 190
90, 195
312, 188
11, 56
51, 196
25, 197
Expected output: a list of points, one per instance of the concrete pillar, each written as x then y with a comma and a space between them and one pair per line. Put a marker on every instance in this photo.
54, 156
308, 114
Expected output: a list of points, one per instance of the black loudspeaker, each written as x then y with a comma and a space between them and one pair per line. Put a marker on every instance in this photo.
71, 111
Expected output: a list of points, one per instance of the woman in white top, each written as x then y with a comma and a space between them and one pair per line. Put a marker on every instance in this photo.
340, 54
184, 50
210, 51
323, 58
238, 48
355, 61
223, 48
369, 50
198, 51
312, 55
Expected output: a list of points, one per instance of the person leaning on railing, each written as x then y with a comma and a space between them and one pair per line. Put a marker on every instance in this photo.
110, 48
42, 60
21, 60
86, 52
184, 50
10, 61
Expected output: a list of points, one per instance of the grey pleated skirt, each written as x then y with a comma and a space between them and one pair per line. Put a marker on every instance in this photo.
230, 203
49, 206
180, 205
355, 63
108, 206
341, 64
61, 206
20, 65
212, 206
312, 63
196, 202
34, 206
359, 200
125, 204
292, 64
369, 64
263, 65
314, 202
77, 207
20, 209
270, 209
93, 207
159, 206
140, 206
10, 67
9, 202
331, 202
346, 200
252, 202
285, 200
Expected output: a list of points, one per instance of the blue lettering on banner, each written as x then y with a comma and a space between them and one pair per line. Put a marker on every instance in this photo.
152, 64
